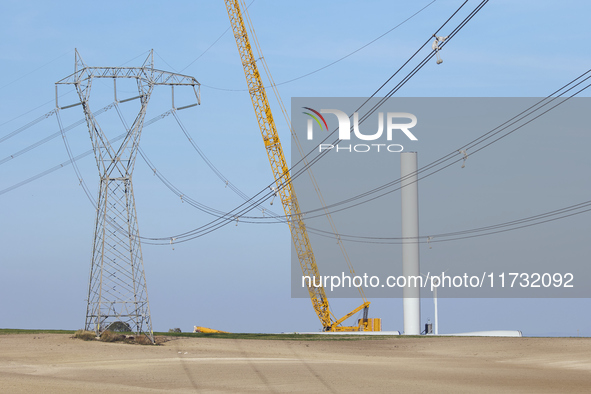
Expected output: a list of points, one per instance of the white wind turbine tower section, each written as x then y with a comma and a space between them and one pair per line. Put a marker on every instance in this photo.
436, 282
411, 301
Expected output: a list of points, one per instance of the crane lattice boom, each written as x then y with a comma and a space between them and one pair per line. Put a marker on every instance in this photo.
282, 177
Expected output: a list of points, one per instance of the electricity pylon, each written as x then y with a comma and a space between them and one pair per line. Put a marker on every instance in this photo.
117, 290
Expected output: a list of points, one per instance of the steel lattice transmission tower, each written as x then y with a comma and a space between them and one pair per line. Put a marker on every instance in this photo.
117, 290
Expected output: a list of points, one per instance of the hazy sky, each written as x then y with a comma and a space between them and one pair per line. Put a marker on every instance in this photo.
238, 278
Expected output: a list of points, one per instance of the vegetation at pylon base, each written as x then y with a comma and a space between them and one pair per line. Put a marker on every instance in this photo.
85, 335
111, 336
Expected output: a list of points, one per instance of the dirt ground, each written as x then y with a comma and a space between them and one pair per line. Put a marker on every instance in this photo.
56, 363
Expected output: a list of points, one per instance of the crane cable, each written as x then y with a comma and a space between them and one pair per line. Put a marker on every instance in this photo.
327, 214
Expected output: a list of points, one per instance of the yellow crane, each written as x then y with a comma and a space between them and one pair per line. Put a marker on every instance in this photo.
283, 183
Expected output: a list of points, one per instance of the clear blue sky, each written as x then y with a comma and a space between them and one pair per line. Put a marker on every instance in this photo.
237, 279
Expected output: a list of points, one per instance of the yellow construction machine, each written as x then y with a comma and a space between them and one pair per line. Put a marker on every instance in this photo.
206, 330
283, 183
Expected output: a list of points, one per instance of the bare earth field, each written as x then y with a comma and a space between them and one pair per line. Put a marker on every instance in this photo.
56, 363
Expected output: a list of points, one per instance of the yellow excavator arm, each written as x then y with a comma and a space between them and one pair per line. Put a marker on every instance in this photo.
282, 178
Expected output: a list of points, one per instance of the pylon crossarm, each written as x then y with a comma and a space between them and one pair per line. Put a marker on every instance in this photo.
149, 75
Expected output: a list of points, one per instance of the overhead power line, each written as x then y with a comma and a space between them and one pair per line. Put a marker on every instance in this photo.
323, 67
541, 218
260, 197
37, 69
74, 158
207, 230
527, 116
28, 125
52, 136
224, 215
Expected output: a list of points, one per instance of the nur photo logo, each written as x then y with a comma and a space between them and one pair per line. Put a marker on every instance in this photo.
393, 126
